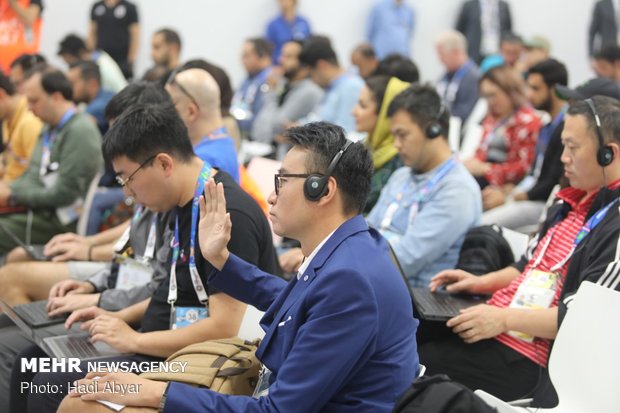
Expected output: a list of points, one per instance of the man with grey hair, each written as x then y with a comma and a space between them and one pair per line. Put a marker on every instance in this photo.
458, 87
196, 97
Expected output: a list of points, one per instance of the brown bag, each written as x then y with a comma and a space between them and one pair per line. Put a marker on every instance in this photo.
227, 366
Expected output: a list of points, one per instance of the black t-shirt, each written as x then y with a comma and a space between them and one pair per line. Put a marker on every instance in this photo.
113, 27
250, 240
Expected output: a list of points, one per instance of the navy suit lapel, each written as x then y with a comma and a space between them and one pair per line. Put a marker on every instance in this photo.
296, 288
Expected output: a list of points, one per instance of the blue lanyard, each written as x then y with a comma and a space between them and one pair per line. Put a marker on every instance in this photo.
430, 184
593, 222
547, 130
451, 86
581, 235
195, 276
50, 137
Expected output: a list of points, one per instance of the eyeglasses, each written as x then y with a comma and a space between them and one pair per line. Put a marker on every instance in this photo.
123, 182
172, 80
277, 180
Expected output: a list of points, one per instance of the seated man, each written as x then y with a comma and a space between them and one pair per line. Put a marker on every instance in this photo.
414, 210
153, 157
196, 97
64, 162
341, 335
503, 346
20, 130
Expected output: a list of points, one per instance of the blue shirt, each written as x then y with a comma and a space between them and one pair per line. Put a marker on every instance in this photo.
431, 241
220, 153
280, 31
390, 28
249, 98
96, 108
339, 100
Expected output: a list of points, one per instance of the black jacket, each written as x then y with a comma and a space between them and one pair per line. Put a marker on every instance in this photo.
552, 168
596, 259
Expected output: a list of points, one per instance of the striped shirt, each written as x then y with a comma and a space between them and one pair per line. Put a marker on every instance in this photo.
560, 241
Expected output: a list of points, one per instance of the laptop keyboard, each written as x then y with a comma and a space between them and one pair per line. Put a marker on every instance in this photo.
440, 303
80, 347
34, 313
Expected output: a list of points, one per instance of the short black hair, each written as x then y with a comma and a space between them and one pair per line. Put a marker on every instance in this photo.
609, 53
377, 86
366, 50
552, 71
170, 36
262, 46
509, 37
353, 172
88, 70
317, 48
6, 84
134, 94
424, 105
26, 61
72, 45
221, 78
52, 80
608, 110
144, 130
157, 73
399, 66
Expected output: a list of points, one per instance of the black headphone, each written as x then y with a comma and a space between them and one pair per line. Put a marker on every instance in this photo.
605, 153
434, 129
315, 185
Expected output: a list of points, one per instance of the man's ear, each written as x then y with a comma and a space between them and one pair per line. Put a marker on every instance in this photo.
165, 162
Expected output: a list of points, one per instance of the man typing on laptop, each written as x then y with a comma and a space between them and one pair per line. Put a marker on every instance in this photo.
503, 346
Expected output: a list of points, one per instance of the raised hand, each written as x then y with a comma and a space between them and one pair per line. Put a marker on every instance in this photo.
215, 226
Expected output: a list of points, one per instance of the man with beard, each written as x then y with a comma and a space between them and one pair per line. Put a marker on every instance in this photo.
166, 48
292, 100
516, 207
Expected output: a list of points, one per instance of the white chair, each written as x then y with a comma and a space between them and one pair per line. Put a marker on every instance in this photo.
517, 241
82, 224
584, 364
250, 329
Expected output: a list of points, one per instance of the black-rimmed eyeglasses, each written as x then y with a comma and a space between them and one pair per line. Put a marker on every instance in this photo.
172, 80
123, 182
277, 180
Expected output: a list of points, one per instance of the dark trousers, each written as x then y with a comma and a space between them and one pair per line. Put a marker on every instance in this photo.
48, 401
488, 364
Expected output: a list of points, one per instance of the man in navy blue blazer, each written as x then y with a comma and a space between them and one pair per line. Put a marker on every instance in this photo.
340, 336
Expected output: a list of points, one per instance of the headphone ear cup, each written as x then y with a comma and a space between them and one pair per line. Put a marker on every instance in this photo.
433, 130
605, 155
314, 186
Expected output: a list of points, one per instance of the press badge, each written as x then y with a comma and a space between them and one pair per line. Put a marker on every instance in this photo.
132, 273
185, 316
536, 292
262, 387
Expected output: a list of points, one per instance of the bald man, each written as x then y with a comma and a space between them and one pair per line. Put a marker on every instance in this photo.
196, 97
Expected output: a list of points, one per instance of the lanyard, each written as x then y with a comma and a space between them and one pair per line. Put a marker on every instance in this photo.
50, 137
421, 195
449, 89
486, 140
193, 271
120, 245
581, 235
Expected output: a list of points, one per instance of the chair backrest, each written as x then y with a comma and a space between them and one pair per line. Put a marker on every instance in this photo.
250, 328
454, 137
82, 224
584, 364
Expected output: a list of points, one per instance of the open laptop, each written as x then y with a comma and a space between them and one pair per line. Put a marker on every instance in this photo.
34, 252
68, 345
441, 305
35, 314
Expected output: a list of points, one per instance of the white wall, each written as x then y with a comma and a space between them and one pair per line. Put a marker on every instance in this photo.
215, 29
